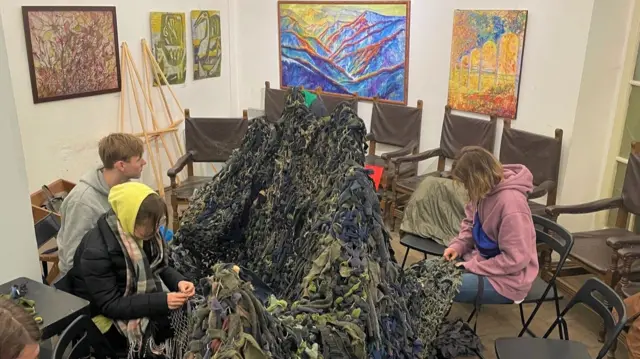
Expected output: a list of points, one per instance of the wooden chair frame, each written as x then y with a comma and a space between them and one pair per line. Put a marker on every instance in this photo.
612, 275
399, 191
49, 257
548, 187
386, 181
185, 161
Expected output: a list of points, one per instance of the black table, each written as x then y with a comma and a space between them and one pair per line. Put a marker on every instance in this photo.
56, 308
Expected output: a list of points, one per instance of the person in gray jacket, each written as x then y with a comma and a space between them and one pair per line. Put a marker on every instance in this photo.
121, 156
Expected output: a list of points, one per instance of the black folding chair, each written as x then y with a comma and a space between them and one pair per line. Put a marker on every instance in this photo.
537, 348
47, 228
83, 336
420, 244
559, 240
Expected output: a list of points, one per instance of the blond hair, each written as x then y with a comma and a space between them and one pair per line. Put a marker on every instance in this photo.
119, 147
17, 330
478, 171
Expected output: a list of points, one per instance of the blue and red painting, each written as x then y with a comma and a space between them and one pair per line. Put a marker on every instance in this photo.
346, 48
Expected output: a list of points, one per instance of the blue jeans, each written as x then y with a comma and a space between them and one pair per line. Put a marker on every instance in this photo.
469, 291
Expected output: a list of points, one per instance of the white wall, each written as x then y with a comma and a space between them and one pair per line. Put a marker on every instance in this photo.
571, 69
60, 138
587, 159
552, 66
564, 84
19, 255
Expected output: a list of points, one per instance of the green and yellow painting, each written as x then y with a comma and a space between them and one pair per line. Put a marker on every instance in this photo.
168, 42
207, 43
486, 61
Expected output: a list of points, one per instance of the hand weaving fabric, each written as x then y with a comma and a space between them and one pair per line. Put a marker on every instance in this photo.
295, 208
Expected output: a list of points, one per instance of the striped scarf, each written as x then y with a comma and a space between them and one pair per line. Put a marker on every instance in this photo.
142, 277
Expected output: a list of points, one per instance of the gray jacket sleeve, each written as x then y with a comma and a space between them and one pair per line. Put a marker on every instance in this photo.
77, 220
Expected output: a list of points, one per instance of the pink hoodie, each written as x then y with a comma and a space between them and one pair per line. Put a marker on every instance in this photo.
506, 218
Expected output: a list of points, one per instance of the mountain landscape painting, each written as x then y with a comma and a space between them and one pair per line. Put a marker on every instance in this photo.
486, 61
346, 48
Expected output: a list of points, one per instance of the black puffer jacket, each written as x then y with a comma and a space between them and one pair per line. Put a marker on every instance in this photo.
99, 275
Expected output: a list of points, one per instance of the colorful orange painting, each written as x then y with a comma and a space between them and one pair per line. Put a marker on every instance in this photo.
486, 61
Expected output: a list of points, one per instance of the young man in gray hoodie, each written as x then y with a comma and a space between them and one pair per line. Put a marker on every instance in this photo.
121, 156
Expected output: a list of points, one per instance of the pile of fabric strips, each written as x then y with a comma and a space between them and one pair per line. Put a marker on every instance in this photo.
297, 212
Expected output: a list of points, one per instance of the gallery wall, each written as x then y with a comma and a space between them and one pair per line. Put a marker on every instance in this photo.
558, 33
60, 138
601, 88
19, 256
570, 79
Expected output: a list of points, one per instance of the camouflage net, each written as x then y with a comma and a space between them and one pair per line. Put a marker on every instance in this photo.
295, 205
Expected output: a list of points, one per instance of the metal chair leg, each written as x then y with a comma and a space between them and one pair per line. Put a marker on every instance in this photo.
525, 325
471, 315
406, 254
475, 312
561, 330
45, 271
565, 328
612, 351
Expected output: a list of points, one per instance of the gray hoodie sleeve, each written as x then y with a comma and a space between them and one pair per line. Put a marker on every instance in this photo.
77, 220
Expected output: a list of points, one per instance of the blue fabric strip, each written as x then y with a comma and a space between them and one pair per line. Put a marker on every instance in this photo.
485, 245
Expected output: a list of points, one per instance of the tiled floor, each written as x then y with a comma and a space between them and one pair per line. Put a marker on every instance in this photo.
500, 321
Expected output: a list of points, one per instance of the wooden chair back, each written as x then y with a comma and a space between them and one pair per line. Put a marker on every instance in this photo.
213, 139
461, 131
630, 188
332, 101
540, 154
274, 100
395, 125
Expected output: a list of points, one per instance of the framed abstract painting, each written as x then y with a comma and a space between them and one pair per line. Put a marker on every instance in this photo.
169, 45
346, 47
207, 43
72, 51
486, 61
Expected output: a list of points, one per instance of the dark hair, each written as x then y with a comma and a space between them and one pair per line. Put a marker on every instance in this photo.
152, 209
478, 170
17, 330
119, 147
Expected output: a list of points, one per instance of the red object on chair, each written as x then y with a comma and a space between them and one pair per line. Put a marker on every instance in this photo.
376, 176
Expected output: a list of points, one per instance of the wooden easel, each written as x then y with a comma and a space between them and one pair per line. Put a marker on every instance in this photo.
156, 135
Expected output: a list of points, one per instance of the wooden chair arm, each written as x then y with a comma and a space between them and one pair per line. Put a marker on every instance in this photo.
180, 165
628, 255
49, 257
542, 190
418, 157
590, 207
622, 243
405, 151
629, 252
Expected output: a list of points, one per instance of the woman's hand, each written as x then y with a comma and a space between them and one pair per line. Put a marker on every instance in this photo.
176, 300
450, 254
187, 288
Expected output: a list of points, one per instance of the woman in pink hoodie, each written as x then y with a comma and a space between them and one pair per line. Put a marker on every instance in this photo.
497, 239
